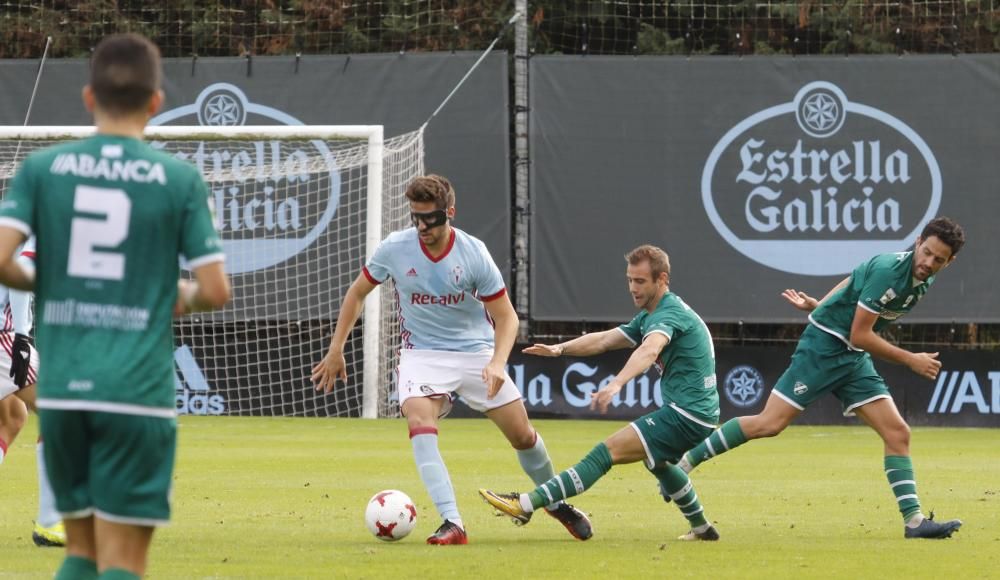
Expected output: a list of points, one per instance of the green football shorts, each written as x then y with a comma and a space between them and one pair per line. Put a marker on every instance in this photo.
117, 467
666, 434
822, 364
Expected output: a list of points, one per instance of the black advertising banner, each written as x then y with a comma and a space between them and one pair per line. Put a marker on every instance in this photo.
467, 142
759, 174
966, 393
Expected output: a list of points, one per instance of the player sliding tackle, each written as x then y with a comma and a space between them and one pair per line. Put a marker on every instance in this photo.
834, 356
671, 335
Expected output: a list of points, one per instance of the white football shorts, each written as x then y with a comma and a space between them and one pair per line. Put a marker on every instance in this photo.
437, 373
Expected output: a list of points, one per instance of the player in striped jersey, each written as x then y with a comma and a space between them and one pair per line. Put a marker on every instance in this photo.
458, 327
834, 356
17, 395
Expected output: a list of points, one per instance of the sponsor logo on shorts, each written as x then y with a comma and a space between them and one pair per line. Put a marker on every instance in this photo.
426, 390
800, 388
744, 386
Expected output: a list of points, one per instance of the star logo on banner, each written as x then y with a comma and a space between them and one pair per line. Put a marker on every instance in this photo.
744, 386
821, 111
222, 110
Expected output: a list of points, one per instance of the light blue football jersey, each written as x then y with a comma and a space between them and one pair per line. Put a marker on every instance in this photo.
441, 300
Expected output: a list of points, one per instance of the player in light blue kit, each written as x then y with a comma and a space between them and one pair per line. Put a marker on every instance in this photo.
458, 327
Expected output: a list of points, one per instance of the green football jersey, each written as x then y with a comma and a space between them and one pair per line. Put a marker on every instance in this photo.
884, 285
687, 363
111, 216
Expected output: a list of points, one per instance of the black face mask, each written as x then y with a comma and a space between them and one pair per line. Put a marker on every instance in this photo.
431, 219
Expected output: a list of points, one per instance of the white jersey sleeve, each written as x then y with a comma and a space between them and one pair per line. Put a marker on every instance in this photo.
19, 303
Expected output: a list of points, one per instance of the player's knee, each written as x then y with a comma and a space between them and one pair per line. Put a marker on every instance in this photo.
524, 439
14, 416
420, 421
769, 426
898, 435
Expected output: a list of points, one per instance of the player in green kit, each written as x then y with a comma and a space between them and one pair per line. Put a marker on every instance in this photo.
669, 334
834, 355
111, 216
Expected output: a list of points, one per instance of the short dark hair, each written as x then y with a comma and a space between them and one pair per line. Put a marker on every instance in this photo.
125, 73
659, 262
946, 230
432, 188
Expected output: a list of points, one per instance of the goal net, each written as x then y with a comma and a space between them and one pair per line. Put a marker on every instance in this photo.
299, 208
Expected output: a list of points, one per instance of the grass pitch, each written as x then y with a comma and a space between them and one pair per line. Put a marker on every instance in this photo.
284, 498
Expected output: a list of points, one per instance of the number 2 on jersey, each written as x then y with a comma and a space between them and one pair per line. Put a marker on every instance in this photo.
89, 233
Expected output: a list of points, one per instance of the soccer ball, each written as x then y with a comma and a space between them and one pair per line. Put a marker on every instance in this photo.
390, 515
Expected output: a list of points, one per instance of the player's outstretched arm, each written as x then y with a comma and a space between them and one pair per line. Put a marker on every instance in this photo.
586, 345
210, 290
504, 334
807, 303
800, 300
12, 275
636, 364
863, 336
333, 366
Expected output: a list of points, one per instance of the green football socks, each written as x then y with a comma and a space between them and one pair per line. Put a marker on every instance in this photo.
899, 472
574, 480
77, 568
723, 439
678, 486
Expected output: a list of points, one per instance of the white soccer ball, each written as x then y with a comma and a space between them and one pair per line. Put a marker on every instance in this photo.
390, 515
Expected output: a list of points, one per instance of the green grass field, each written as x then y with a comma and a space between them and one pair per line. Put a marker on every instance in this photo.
272, 498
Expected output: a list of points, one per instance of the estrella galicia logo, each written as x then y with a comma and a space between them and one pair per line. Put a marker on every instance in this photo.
265, 194
744, 386
817, 185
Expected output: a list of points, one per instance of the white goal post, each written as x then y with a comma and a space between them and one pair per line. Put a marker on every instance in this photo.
300, 209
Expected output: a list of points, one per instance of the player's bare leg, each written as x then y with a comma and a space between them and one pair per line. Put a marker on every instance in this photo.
13, 416
512, 420
122, 546
81, 550
49, 531
883, 416
422, 417
777, 415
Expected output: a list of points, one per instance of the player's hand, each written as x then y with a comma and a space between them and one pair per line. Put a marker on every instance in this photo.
800, 300
332, 367
925, 364
600, 400
185, 291
544, 350
494, 376
20, 359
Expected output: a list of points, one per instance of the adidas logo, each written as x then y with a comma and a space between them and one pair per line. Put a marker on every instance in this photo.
412, 272
193, 394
